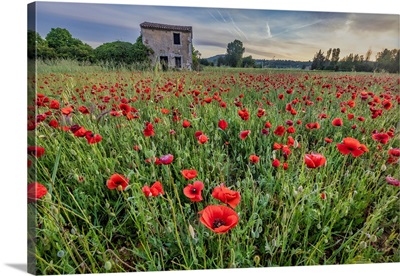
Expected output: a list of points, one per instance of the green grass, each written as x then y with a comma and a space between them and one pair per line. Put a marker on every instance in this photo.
83, 227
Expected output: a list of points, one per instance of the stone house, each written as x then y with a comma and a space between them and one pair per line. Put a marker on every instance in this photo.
172, 44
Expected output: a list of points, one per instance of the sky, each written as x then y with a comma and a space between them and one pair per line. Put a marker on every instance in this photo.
265, 33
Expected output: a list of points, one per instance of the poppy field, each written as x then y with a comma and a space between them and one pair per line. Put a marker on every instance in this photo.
223, 168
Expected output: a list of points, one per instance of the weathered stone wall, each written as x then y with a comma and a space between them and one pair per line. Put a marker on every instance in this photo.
162, 42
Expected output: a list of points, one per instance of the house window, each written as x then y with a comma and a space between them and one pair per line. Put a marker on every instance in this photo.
177, 38
178, 62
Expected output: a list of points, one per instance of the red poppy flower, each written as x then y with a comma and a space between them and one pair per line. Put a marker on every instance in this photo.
118, 182
155, 189
291, 129
387, 104
280, 130
276, 163
185, 123
226, 195
166, 159
222, 124
115, 113
268, 125
193, 191
189, 174
154, 160
125, 108
392, 159
53, 123
381, 137
265, 131
36, 191
350, 116
92, 138
164, 111
218, 218
79, 131
31, 125
244, 114
198, 133
83, 109
290, 141
244, 134
314, 160
35, 151
313, 125
285, 166
328, 140
353, 146
337, 122
148, 131
394, 152
54, 104
202, 139
66, 110
254, 158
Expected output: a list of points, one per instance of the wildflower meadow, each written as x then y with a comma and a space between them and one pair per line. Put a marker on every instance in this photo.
223, 168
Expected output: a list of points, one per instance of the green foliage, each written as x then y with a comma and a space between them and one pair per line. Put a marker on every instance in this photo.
234, 53
248, 62
220, 61
318, 61
67, 47
196, 55
388, 60
120, 52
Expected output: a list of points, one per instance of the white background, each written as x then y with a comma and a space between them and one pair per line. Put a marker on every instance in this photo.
13, 128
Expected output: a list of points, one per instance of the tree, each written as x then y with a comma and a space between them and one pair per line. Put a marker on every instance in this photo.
388, 60
234, 53
38, 48
196, 55
65, 46
115, 52
248, 62
220, 61
120, 52
318, 61
59, 38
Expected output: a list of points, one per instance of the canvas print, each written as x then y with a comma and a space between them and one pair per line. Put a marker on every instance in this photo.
180, 138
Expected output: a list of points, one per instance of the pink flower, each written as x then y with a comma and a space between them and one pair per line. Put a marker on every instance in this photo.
393, 181
166, 159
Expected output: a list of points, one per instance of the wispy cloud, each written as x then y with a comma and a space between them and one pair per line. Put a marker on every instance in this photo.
282, 34
268, 30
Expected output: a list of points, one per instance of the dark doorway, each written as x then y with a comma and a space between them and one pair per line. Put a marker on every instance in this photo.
164, 62
178, 62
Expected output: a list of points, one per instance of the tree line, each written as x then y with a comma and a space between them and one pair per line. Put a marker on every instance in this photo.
59, 44
386, 61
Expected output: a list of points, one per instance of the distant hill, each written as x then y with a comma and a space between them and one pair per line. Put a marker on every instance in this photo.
272, 63
214, 58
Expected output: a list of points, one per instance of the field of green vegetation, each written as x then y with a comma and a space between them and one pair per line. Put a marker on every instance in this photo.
154, 171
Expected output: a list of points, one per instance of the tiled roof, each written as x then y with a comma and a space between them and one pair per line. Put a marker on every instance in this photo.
159, 26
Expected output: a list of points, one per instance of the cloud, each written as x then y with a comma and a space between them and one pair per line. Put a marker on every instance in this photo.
264, 33
268, 30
